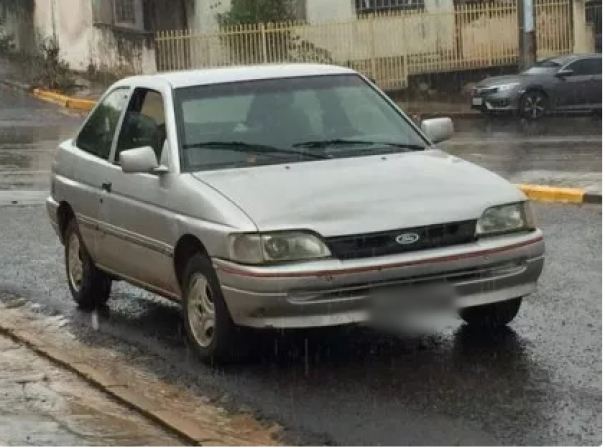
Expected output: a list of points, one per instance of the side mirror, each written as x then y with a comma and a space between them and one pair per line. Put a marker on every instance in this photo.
438, 129
141, 160
564, 72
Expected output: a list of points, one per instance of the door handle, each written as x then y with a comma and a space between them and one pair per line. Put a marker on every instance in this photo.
106, 186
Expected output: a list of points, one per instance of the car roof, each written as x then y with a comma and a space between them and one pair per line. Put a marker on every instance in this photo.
567, 58
190, 78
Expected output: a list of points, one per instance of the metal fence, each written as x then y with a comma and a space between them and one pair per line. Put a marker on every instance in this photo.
387, 47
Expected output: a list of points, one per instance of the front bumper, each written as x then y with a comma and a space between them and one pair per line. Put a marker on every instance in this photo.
52, 208
488, 101
334, 292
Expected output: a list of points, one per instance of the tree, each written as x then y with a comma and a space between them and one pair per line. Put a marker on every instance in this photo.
258, 31
245, 12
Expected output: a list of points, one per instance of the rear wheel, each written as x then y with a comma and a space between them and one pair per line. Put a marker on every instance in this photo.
210, 330
493, 315
533, 105
89, 286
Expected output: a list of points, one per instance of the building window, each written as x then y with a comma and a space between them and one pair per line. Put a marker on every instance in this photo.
364, 7
125, 12
118, 13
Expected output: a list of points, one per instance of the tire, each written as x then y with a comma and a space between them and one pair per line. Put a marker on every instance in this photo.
89, 286
204, 306
493, 315
533, 105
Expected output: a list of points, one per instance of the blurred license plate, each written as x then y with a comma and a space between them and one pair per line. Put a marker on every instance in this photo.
477, 101
412, 300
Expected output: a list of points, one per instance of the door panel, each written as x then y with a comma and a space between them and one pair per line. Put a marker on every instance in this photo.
572, 91
138, 236
90, 153
139, 233
575, 91
84, 193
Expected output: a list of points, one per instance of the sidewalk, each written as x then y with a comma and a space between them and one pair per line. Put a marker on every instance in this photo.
41, 404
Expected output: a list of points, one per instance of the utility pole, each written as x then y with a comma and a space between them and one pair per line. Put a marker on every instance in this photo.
527, 33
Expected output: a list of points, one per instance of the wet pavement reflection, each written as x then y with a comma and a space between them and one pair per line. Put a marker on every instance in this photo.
29, 134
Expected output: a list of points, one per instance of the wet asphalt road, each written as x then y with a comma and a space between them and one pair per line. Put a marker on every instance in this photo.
538, 383
29, 132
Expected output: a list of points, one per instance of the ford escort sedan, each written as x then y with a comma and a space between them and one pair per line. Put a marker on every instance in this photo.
283, 196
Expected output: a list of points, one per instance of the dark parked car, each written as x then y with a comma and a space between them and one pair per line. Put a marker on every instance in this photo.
563, 83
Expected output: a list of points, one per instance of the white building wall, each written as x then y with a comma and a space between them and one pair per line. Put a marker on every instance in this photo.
82, 43
329, 10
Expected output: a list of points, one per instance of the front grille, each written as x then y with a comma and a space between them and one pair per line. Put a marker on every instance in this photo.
481, 91
385, 243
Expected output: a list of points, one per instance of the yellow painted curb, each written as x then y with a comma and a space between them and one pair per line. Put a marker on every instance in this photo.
80, 104
51, 97
64, 100
553, 194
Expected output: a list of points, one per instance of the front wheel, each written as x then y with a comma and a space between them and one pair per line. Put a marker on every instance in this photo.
533, 105
493, 315
210, 330
89, 286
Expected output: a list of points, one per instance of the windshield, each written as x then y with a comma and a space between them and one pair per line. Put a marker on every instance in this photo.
544, 66
287, 120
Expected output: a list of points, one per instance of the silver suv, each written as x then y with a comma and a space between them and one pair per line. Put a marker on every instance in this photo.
284, 196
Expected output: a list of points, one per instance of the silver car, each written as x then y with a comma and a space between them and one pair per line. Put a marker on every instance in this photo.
284, 196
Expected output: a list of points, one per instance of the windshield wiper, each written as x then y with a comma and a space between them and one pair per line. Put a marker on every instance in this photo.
253, 148
343, 141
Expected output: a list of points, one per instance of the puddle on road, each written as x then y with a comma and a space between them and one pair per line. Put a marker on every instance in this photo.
26, 154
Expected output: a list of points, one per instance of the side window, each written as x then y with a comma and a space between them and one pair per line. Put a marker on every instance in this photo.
595, 66
144, 123
97, 134
585, 67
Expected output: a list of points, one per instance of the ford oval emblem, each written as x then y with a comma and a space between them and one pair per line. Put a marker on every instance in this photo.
407, 238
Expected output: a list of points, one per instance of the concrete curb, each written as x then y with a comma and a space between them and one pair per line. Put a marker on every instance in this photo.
179, 424
545, 193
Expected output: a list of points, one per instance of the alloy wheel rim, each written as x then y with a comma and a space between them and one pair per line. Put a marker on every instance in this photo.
534, 106
74, 262
201, 311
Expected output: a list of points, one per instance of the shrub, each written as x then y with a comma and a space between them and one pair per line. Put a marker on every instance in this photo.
51, 71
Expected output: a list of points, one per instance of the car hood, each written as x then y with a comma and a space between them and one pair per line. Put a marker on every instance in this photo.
505, 79
363, 194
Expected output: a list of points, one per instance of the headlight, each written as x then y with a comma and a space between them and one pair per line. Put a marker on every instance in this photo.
505, 219
275, 247
505, 87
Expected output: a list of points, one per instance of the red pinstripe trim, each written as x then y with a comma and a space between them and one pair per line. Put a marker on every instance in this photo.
481, 253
